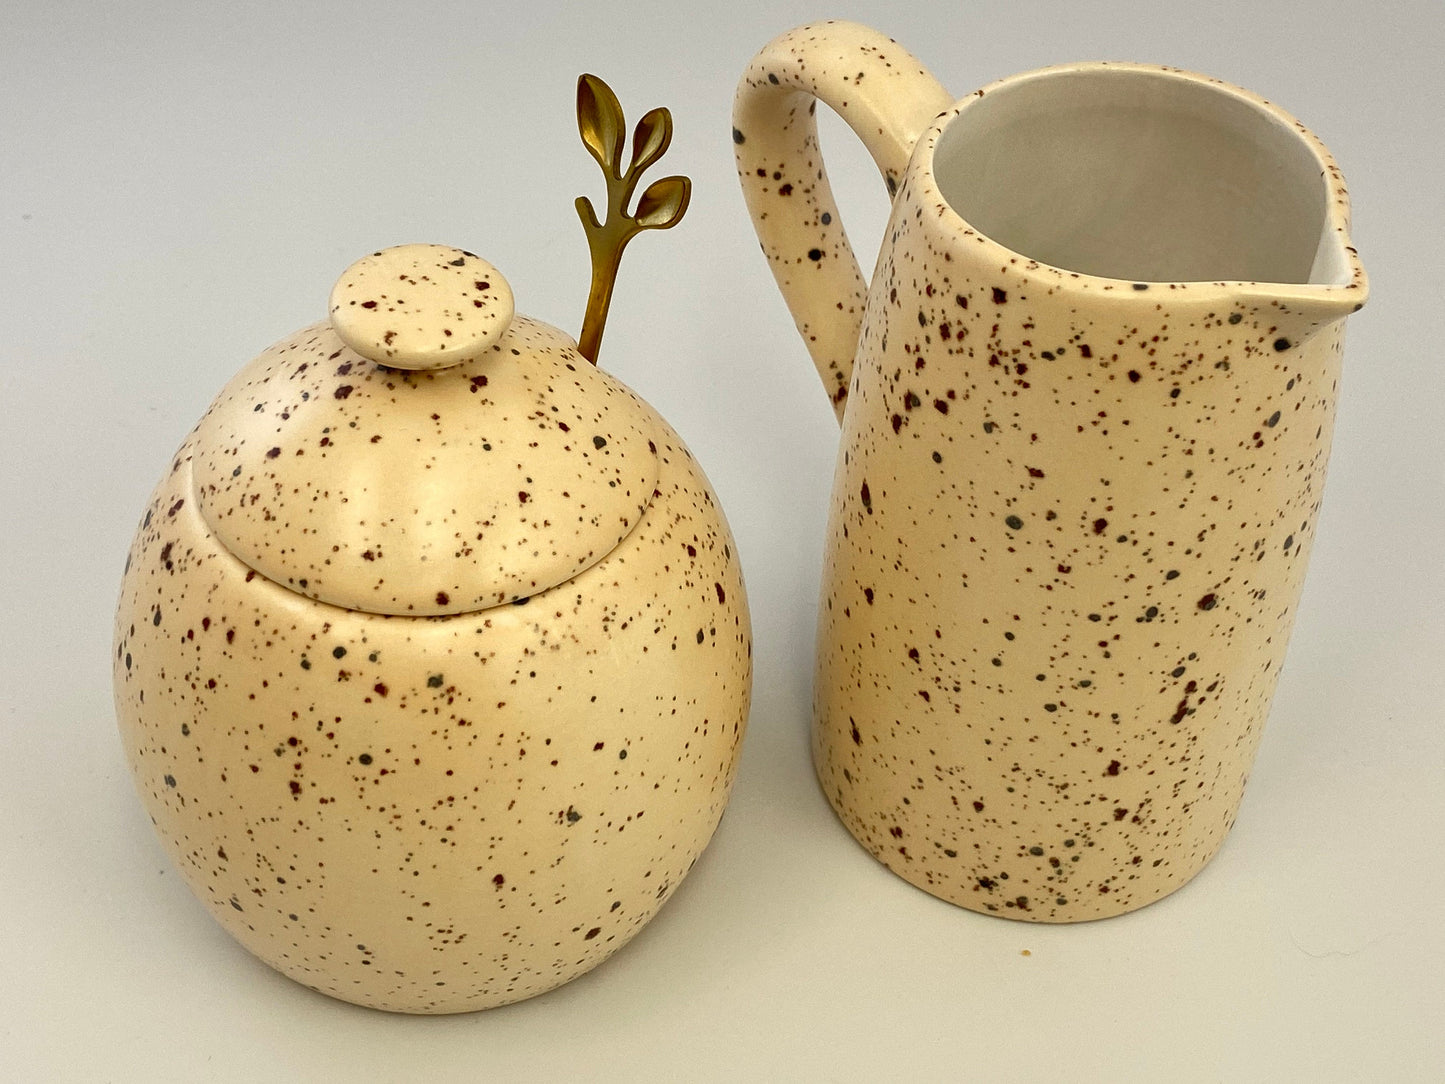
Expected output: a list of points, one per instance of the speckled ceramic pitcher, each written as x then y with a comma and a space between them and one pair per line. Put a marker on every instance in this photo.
1086, 403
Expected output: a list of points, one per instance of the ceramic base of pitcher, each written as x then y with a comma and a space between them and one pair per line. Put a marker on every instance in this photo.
1021, 880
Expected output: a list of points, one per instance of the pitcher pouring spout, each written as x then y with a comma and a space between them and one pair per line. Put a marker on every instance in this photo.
1337, 287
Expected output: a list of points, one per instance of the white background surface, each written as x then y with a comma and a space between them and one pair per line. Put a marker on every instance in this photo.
180, 185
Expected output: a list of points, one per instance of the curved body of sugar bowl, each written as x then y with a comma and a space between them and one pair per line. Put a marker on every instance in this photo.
451, 810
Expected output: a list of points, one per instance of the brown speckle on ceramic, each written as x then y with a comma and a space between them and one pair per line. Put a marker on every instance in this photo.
462, 809
1070, 518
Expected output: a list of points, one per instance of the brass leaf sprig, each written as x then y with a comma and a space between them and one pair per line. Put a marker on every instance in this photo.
661, 205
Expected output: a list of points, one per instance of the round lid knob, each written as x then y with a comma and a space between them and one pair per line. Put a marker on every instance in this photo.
421, 306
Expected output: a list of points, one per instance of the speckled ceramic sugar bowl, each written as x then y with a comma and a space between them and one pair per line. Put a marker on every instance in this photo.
433, 656
1083, 447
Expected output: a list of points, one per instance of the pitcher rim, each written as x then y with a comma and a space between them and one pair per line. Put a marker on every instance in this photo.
1349, 296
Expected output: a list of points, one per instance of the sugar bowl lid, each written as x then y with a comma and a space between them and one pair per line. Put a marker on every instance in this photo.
425, 451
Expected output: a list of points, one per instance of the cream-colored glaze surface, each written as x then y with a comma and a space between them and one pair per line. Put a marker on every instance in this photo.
1072, 513
430, 492
436, 813
421, 306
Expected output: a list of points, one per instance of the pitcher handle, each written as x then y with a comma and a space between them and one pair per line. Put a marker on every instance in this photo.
888, 98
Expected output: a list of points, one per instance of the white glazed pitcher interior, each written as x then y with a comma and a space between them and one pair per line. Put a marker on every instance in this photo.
1139, 174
